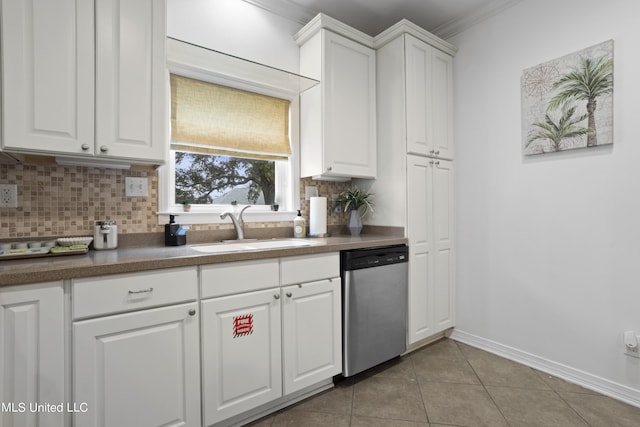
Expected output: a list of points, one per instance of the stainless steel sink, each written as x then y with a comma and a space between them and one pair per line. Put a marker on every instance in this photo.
252, 246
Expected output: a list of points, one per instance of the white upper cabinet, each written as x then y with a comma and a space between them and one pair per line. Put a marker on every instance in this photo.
419, 103
338, 116
429, 99
442, 110
131, 120
57, 102
48, 75
415, 90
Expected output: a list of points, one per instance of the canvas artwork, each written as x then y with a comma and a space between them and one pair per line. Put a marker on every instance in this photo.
567, 103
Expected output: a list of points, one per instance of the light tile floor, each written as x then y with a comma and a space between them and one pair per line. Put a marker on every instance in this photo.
452, 384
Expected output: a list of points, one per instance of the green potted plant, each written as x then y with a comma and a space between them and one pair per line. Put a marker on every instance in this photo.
358, 203
186, 205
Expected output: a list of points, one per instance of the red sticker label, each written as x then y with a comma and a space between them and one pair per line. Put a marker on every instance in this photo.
242, 325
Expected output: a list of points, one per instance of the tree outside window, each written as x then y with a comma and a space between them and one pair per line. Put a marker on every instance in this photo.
216, 179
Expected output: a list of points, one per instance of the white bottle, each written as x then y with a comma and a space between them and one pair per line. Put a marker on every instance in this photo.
299, 226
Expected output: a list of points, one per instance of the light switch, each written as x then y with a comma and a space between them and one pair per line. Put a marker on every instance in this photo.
136, 187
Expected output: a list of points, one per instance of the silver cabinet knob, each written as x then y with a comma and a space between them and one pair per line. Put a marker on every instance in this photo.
437, 162
104, 148
276, 296
329, 168
85, 147
431, 151
192, 312
437, 151
289, 294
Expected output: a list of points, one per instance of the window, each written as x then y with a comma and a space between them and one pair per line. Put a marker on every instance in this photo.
226, 143
222, 180
233, 139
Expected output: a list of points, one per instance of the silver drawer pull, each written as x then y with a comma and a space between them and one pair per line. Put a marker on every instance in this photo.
276, 296
143, 291
192, 312
289, 294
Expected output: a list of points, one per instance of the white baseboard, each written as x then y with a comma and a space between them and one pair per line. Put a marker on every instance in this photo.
572, 375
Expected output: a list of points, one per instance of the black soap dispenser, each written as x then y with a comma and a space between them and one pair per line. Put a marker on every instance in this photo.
172, 236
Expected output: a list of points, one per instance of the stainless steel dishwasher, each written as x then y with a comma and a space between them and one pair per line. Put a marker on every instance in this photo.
374, 316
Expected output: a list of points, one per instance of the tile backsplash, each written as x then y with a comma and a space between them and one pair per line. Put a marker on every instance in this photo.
58, 200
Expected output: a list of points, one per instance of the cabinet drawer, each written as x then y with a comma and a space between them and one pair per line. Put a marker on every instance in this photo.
309, 268
97, 296
237, 277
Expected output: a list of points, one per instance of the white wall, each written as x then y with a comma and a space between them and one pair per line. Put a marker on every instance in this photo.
548, 261
236, 28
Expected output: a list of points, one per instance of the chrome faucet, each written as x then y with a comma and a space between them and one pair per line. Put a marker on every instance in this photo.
237, 221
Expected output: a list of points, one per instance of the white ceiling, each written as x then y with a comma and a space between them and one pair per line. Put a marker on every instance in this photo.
444, 18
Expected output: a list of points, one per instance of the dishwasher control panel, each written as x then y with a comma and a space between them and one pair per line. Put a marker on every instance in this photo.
373, 257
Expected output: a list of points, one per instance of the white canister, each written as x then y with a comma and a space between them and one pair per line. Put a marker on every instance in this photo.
105, 235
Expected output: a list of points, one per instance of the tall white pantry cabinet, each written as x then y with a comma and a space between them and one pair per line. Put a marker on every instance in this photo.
415, 146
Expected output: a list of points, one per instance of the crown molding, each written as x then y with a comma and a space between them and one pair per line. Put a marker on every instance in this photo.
407, 27
487, 11
302, 15
286, 9
324, 21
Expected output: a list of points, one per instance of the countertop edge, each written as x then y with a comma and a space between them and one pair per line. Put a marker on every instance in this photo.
120, 261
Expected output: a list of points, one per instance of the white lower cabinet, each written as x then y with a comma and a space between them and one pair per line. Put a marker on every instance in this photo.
139, 368
431, 262
241, 353
311, 330
258, 346
32, 368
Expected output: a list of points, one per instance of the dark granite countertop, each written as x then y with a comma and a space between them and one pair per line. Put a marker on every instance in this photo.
129, 260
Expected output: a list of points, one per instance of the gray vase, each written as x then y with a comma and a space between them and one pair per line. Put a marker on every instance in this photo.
355, 223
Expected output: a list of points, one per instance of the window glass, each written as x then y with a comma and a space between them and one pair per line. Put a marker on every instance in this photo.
221, 180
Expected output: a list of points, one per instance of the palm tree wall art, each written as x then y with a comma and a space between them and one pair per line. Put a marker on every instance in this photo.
567, 103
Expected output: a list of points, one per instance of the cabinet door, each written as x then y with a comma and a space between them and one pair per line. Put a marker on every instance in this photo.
312, 337
349, 109
48, 76
419, 231
241, 353
431, 258
419, 98
442, 100
130, 79
443, 282
31, 354
138, 369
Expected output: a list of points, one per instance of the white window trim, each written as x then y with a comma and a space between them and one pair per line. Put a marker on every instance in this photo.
189, 61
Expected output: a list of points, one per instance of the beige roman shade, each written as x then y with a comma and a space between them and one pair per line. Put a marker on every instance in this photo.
212, 119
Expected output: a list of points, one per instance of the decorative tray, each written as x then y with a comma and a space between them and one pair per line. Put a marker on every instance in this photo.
49, 251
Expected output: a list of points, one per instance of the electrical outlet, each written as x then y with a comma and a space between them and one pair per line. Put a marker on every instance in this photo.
136, 187
633, 353
631, 344
334, 203
310, 191
8, 196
